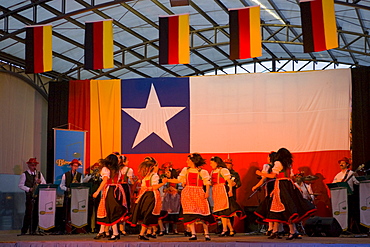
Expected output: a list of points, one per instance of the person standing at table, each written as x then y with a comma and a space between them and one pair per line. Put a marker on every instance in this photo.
28, 183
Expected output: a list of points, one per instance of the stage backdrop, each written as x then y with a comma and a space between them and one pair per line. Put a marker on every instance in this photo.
242, 116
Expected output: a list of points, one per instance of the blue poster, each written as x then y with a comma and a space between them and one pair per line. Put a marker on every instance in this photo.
69, 145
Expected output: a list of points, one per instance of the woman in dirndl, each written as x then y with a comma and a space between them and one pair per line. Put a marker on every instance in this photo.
126, 176
224, 204
113, 206
194, 200
287, 204
148, 205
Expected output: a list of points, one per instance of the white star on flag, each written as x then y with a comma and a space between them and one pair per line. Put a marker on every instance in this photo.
153, 118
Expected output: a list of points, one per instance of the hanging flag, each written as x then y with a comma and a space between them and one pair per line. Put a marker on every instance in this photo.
174, 47
39, 49
99, 45
245, 33
318, 25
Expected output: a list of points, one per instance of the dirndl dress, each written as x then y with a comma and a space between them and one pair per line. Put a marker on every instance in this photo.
286, 203
195, 207
223, 205
113, 205
147, 207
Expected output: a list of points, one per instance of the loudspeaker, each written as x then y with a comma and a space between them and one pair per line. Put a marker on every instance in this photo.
322, 226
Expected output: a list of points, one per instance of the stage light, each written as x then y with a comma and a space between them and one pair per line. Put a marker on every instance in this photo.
176, 3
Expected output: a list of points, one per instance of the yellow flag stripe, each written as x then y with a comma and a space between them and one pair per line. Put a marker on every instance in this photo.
330, 26
105, 118
108, 44
184, 44
47, 48
255, 31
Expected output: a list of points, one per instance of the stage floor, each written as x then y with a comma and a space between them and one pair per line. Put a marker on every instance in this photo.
10, 238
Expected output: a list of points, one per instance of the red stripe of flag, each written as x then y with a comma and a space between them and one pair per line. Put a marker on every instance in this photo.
318, 25
79, 98
173, 40
244, 33
98, 44
38, 45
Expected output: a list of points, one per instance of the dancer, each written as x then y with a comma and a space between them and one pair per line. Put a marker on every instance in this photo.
126, 175
269, 186
148, 205
113, 206
287, 204
171, 201
194, 201
225, 206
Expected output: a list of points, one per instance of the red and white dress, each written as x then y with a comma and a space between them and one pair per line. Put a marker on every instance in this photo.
194, 204
286, 204
113, 205
147, 207
223, 205
126, 173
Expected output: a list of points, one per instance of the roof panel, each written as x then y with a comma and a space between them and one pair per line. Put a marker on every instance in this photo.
136, 34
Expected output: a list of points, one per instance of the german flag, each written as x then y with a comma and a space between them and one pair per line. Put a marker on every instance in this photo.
245, 33
174, 46
99, 45
39, 52
318, 25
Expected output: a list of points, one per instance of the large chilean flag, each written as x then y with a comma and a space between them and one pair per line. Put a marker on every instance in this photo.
242, 116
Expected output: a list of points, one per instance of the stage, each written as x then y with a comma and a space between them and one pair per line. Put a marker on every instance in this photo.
10, 239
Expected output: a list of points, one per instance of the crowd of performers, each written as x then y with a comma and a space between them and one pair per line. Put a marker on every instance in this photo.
165, 197
156, 200
168, 196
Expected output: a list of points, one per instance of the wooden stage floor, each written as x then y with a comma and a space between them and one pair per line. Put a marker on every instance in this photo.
10, 238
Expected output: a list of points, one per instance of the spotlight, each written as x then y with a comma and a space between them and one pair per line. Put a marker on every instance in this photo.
176, 3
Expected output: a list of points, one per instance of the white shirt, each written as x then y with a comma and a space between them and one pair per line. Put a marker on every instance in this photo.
306, 191
266, 168
130, 173
224, 172
22, 180
339, 177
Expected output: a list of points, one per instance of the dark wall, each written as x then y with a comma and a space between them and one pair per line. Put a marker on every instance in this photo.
57, 118
361, 116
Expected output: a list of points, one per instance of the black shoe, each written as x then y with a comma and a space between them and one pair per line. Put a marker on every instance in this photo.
268, 233
231, 233
207, 237
151, 236
193, 237
99, 235
222, 234
274, 235
106, 235
141, 237
114, 237
294, 236
175, 233
187, 234
161, 233
122, 233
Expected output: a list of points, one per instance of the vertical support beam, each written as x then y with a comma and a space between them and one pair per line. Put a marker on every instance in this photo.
63, 6
123, 57
34, 8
